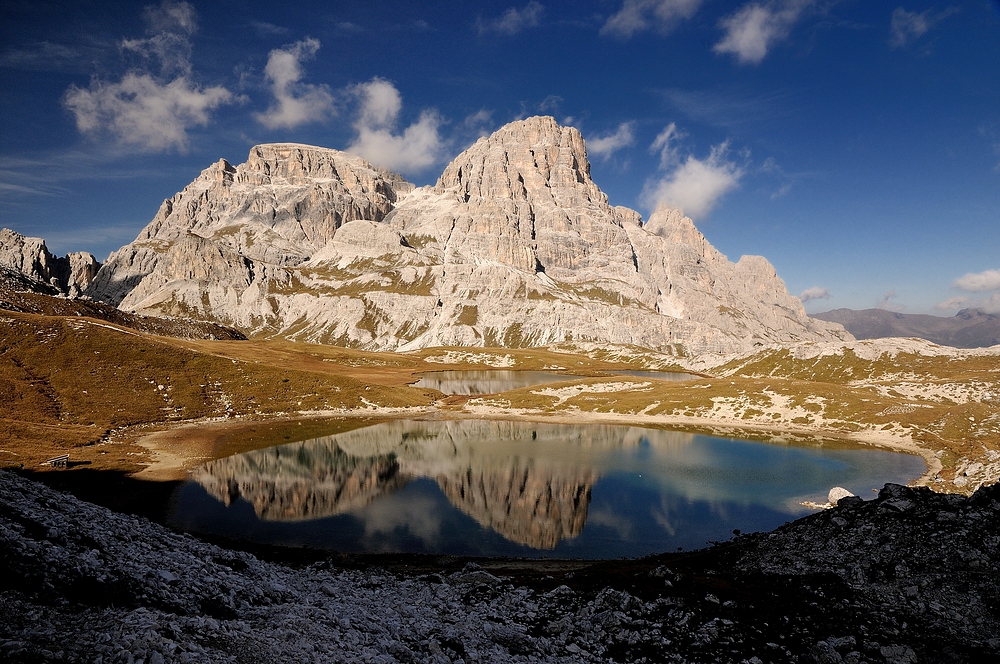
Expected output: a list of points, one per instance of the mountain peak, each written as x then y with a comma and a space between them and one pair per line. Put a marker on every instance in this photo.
514, 246
523, 160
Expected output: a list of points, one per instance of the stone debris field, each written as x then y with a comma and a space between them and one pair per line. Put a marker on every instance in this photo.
910, 576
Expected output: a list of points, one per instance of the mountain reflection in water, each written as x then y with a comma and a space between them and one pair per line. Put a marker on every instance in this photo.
533, 483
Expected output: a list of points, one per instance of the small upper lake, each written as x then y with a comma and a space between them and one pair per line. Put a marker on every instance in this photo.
486, 382
503, 488
493, 381
657, 375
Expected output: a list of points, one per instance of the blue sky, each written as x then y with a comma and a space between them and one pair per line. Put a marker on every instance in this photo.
854, 143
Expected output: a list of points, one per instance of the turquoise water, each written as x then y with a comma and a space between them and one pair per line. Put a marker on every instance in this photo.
500, 488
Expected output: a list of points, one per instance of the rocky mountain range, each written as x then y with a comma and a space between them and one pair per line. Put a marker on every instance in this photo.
969, 328
514, 246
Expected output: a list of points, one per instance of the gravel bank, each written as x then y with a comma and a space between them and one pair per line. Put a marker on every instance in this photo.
911, 576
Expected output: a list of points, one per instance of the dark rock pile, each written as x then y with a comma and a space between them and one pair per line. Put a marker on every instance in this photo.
911, 576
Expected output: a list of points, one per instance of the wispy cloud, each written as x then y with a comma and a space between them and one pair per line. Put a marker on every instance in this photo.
906, 27
733, 107
418, 147
605, 146
641, 15
347, 28
691, 185
45, 56
149, 109
988, 303
665, 145
295, 103
477, 124
513, 20
753, 30
953, 303
887, 301
170, 16
979, 282
814, 293
266, 29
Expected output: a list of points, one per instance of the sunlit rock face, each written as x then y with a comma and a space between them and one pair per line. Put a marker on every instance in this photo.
30, 258
514, 246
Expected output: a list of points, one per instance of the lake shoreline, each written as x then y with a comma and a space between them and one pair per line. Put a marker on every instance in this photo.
181, 446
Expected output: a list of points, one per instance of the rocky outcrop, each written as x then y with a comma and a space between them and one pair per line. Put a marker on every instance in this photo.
29, 257
33, 297
514, 246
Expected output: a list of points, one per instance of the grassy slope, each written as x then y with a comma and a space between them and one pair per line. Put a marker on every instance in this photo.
947, 405
67, 381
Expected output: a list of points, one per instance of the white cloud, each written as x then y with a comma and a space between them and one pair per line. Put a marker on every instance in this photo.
640, 15
415, 149
814, 293
694, 186
142, 111
380, 103
753, 30
514, 20
152, 111
605, 146
296, 103
979, 282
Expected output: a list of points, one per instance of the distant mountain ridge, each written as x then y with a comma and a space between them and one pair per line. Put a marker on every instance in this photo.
514, 246
969, 328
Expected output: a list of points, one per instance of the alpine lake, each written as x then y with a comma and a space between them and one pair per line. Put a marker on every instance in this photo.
520, 488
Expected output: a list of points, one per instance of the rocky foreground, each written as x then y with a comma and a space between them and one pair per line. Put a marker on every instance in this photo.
911, 576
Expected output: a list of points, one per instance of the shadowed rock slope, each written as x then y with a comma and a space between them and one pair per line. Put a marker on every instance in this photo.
514, 246
908, 577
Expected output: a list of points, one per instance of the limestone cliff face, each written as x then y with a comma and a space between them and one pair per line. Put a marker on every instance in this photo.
514, 246
277, 209
28, 256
